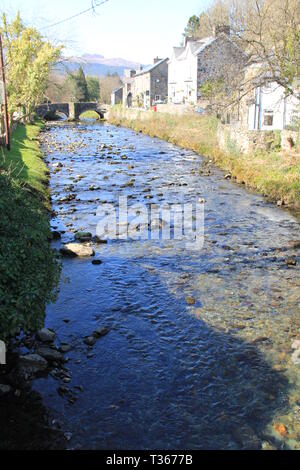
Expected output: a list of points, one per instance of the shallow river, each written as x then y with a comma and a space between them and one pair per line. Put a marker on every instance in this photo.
198, 353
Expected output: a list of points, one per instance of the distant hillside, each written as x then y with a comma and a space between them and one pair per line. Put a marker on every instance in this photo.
96, 65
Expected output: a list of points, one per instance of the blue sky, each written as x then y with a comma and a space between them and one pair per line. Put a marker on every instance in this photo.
132, 29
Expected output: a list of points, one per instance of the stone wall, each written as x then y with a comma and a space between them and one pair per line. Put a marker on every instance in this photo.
218, 59
236, 140
290, 139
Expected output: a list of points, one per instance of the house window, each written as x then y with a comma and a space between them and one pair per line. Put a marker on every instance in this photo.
268, 118
147, 92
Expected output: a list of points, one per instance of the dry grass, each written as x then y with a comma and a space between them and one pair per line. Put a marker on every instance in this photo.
274, 174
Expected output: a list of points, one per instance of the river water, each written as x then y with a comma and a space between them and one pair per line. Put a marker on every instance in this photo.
211, 372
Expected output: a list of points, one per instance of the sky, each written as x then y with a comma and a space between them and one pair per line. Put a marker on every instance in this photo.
137, 30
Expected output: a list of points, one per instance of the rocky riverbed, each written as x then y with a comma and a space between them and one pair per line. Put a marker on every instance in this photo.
153, 343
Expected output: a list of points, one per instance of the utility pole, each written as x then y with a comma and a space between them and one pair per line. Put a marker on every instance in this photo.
4, 97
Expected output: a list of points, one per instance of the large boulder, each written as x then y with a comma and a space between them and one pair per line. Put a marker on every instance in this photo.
34, 360
46, 336
76, 249
50, 354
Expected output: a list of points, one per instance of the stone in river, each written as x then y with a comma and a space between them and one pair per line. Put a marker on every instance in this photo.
4, 389
83, 236
295, 244
190, 300
76, 249
34, 360
90, 340
64, 348
290, 262
56, 235
98, 240
96, 262
45, 335
101, 331
50, 354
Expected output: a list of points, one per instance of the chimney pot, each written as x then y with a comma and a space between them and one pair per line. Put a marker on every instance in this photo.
222, 28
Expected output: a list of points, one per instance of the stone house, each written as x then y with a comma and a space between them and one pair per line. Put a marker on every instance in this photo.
117, 96
127, 87
151, 84
199, 61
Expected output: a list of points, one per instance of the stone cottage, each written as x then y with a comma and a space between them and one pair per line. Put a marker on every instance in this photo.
117, 96
151, 84
199, 61
127, 87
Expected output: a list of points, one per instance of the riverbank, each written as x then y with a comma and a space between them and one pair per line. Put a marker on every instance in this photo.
28, 266
273, 174
28, 274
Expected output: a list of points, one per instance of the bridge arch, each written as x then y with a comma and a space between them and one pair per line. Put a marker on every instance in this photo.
71, 110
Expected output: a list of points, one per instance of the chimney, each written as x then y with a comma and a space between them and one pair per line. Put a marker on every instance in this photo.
188, 39
222, 28
156, 59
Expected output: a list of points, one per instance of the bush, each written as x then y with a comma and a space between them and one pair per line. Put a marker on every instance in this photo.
28, 267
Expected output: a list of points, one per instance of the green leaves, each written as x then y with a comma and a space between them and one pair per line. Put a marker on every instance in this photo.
29, 59
28, 268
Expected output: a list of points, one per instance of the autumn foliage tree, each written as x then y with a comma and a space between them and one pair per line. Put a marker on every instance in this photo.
29, 58
268, 31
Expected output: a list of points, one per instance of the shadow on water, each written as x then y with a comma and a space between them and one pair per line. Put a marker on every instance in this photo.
161, 378
24, 420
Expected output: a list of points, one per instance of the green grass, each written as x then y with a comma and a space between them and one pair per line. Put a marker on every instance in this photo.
89, 115
29, 271
274, 174
25, 161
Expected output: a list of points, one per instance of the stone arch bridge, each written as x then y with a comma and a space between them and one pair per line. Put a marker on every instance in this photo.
71, 110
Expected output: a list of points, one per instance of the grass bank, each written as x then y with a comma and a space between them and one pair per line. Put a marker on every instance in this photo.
28, 267
273, 174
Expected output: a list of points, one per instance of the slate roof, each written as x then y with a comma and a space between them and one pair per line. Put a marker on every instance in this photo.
149, 68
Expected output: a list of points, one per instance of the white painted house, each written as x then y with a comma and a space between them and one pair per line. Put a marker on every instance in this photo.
198, 61
270, 109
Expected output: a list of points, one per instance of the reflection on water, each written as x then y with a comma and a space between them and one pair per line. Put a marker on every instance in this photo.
214, 374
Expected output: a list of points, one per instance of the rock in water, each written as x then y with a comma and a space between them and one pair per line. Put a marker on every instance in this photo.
4, 389
290, 262
76, 249
101, 331
90, 340
190, 300
50, 354
46, 336
34, 360
83, 236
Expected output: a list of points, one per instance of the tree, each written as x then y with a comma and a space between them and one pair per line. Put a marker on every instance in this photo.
268, 31
192, 27
107, 85
93, 87
29, 59
81, 86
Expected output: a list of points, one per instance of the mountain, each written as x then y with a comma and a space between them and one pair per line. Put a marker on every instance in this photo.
96, 65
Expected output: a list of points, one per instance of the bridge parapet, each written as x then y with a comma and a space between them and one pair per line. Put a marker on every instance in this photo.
71, 110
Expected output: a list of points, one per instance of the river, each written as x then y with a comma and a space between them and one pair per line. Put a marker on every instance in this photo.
199, 349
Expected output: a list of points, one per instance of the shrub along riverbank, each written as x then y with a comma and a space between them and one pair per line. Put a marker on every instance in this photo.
275, 175
29, 270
